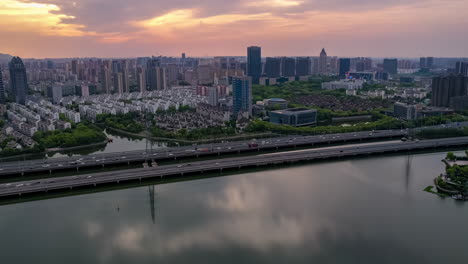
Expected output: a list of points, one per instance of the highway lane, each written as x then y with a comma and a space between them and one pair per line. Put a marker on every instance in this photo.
17, 188
63, 163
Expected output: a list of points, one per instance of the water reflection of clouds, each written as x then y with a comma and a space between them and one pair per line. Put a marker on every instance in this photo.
244, 212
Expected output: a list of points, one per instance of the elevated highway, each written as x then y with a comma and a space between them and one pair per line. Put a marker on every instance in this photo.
106, 159
70, 182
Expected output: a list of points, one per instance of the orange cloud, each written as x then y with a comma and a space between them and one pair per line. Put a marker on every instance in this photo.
35, 17
273, 3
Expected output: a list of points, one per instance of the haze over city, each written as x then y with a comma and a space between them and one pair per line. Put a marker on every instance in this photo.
121, 28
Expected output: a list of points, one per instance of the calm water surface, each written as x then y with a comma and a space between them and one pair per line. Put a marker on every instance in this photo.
359, 211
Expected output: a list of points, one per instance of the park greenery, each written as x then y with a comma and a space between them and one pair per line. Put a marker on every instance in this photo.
294, 89
455, 179
81, 134
125, 122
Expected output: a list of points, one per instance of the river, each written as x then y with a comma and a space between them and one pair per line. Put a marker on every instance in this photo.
369, 210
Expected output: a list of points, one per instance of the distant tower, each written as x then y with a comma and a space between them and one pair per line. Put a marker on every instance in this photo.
391, 66
323, 62
345, 66
254, 63
18, 79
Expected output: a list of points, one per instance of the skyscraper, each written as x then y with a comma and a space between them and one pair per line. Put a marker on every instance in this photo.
288, 67
303, 66
254, 63
242, 95
141, 79
390, 66
155, 75
2, 89
446, 87
273, 67
18, 80
118, 82
323, 62
105, 79
345, 66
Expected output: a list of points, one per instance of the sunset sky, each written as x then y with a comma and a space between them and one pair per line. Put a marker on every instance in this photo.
130, 28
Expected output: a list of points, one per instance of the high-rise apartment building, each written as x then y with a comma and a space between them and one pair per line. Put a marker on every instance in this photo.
303, 66
426, 62
242, 95
155, 75
141, 79
390, 66
444, 88
105, 79
254, 63
323, 62
18, 80
345, 67
288, 67
117, 82
213, 96
273, 67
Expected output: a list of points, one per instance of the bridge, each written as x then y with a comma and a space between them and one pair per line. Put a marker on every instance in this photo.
217, 149
70, 182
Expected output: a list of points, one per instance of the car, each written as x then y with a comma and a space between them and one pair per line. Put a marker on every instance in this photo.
60, 165
179, 166
89, 177
170, 154
45, 166
124, 157
20, 185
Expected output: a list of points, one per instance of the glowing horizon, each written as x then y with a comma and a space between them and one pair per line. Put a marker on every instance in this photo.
87, 28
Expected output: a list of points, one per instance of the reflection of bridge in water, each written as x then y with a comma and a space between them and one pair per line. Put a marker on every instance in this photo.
152, 204
409, 160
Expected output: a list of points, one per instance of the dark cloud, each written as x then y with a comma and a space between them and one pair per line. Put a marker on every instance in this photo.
113, 15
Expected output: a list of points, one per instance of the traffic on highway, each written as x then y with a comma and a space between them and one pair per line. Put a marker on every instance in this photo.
34, 186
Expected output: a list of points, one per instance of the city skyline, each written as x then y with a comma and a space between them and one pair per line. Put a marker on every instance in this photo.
85, 28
